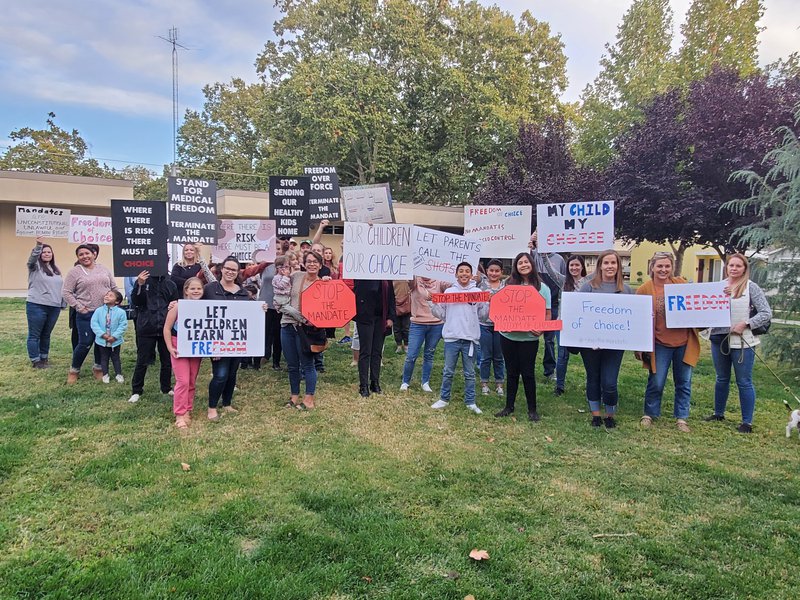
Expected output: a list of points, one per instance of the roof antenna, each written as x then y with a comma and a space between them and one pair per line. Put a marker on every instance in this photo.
173, 39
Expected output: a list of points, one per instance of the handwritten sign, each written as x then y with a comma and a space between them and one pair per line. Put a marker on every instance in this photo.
139, 229
377, 251
86, 229
288, 204
697, 305
437, 253
368, 203
520, 308
608, 321
324, 201
192, 205
33, 221
328, 303
249, 240
575, 226
220, 328
503, 231
460, 297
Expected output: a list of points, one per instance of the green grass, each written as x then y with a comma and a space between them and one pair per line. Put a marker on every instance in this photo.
383, 498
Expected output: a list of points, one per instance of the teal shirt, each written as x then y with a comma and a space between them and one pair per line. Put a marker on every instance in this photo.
527, 336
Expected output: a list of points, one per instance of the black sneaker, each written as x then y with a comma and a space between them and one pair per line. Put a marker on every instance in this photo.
610, 422
745, 428
534, 416
714, 418
505, 412
558, 391
597, 421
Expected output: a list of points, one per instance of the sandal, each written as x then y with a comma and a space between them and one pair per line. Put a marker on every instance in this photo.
229, 409
181, 424
301, 406
646, 421
214, 417
290, 404
683, 426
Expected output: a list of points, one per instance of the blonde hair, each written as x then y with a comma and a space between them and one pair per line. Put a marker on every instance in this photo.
182, 261
597, 276
660, 256
738, 290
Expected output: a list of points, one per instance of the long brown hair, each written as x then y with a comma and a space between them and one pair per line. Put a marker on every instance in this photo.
737, 291
597, 276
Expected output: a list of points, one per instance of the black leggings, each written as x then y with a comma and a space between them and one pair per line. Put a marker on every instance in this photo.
106, 353
520, 359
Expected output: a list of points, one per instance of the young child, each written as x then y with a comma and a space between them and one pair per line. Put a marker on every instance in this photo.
109, 323
462, 334
185, 369
281, 283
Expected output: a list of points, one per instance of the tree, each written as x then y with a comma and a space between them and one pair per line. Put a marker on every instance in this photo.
775, 200
50, 150
539, 169
637, 67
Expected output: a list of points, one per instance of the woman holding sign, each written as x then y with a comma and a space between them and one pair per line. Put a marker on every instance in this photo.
602, 365
44, 302
735, 347
224, 368
679, 347
520, 347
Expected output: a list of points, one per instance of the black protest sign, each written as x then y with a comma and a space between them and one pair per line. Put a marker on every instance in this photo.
288, 204
324, 202
192, 210
139, 231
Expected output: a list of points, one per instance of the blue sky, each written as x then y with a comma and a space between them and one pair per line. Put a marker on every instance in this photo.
101, 67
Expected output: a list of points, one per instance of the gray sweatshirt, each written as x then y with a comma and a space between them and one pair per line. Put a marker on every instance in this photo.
43, 289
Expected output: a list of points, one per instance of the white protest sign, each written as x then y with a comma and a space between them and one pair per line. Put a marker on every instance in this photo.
697, 305
377, 251
33, 221
220, 328
437, 253
503, 231
87, 229
608, 321
249, 240
365, 203
575, 226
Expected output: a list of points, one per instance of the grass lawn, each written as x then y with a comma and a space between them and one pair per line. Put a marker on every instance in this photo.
384, 497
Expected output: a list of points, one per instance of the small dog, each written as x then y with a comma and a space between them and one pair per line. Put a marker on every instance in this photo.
794, 423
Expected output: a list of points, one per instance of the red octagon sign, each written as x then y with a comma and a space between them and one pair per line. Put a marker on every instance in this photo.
328, 303
520, 308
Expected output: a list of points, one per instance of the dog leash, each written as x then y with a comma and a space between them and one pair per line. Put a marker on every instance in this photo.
786, 388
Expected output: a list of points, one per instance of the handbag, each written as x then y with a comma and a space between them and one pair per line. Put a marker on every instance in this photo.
763, 329
312, 339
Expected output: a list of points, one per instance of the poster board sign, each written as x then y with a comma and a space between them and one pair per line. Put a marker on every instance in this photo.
697, 305
289, 204
368, 203
377, 251
608, 321
520, 308
460, 297
88, 229
575, 226
437, 253
324, 201
328, 303
220, 328
249, 240
139, 229
503, 231
192, 205
33, 221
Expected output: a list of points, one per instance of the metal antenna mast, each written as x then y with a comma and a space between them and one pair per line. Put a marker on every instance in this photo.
173, 39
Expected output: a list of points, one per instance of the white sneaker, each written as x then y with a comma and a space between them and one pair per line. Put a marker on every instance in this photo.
426, 387
106, 379
398, 350
499, 390
474, 408
172, 392
403, 387
485, 389
353, 363
134, 398
439, 404
120, 379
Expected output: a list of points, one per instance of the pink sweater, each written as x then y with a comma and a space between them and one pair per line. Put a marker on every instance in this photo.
420, 310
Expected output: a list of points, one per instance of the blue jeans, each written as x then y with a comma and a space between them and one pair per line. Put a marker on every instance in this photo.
491, 354
742, 360
561, 367
83, 325
417, 334
549, 359
41, 321
602, 372
297, 359
681, 375
223, 380
452, 350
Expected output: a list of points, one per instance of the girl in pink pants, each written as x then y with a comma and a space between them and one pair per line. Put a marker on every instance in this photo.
185, 369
